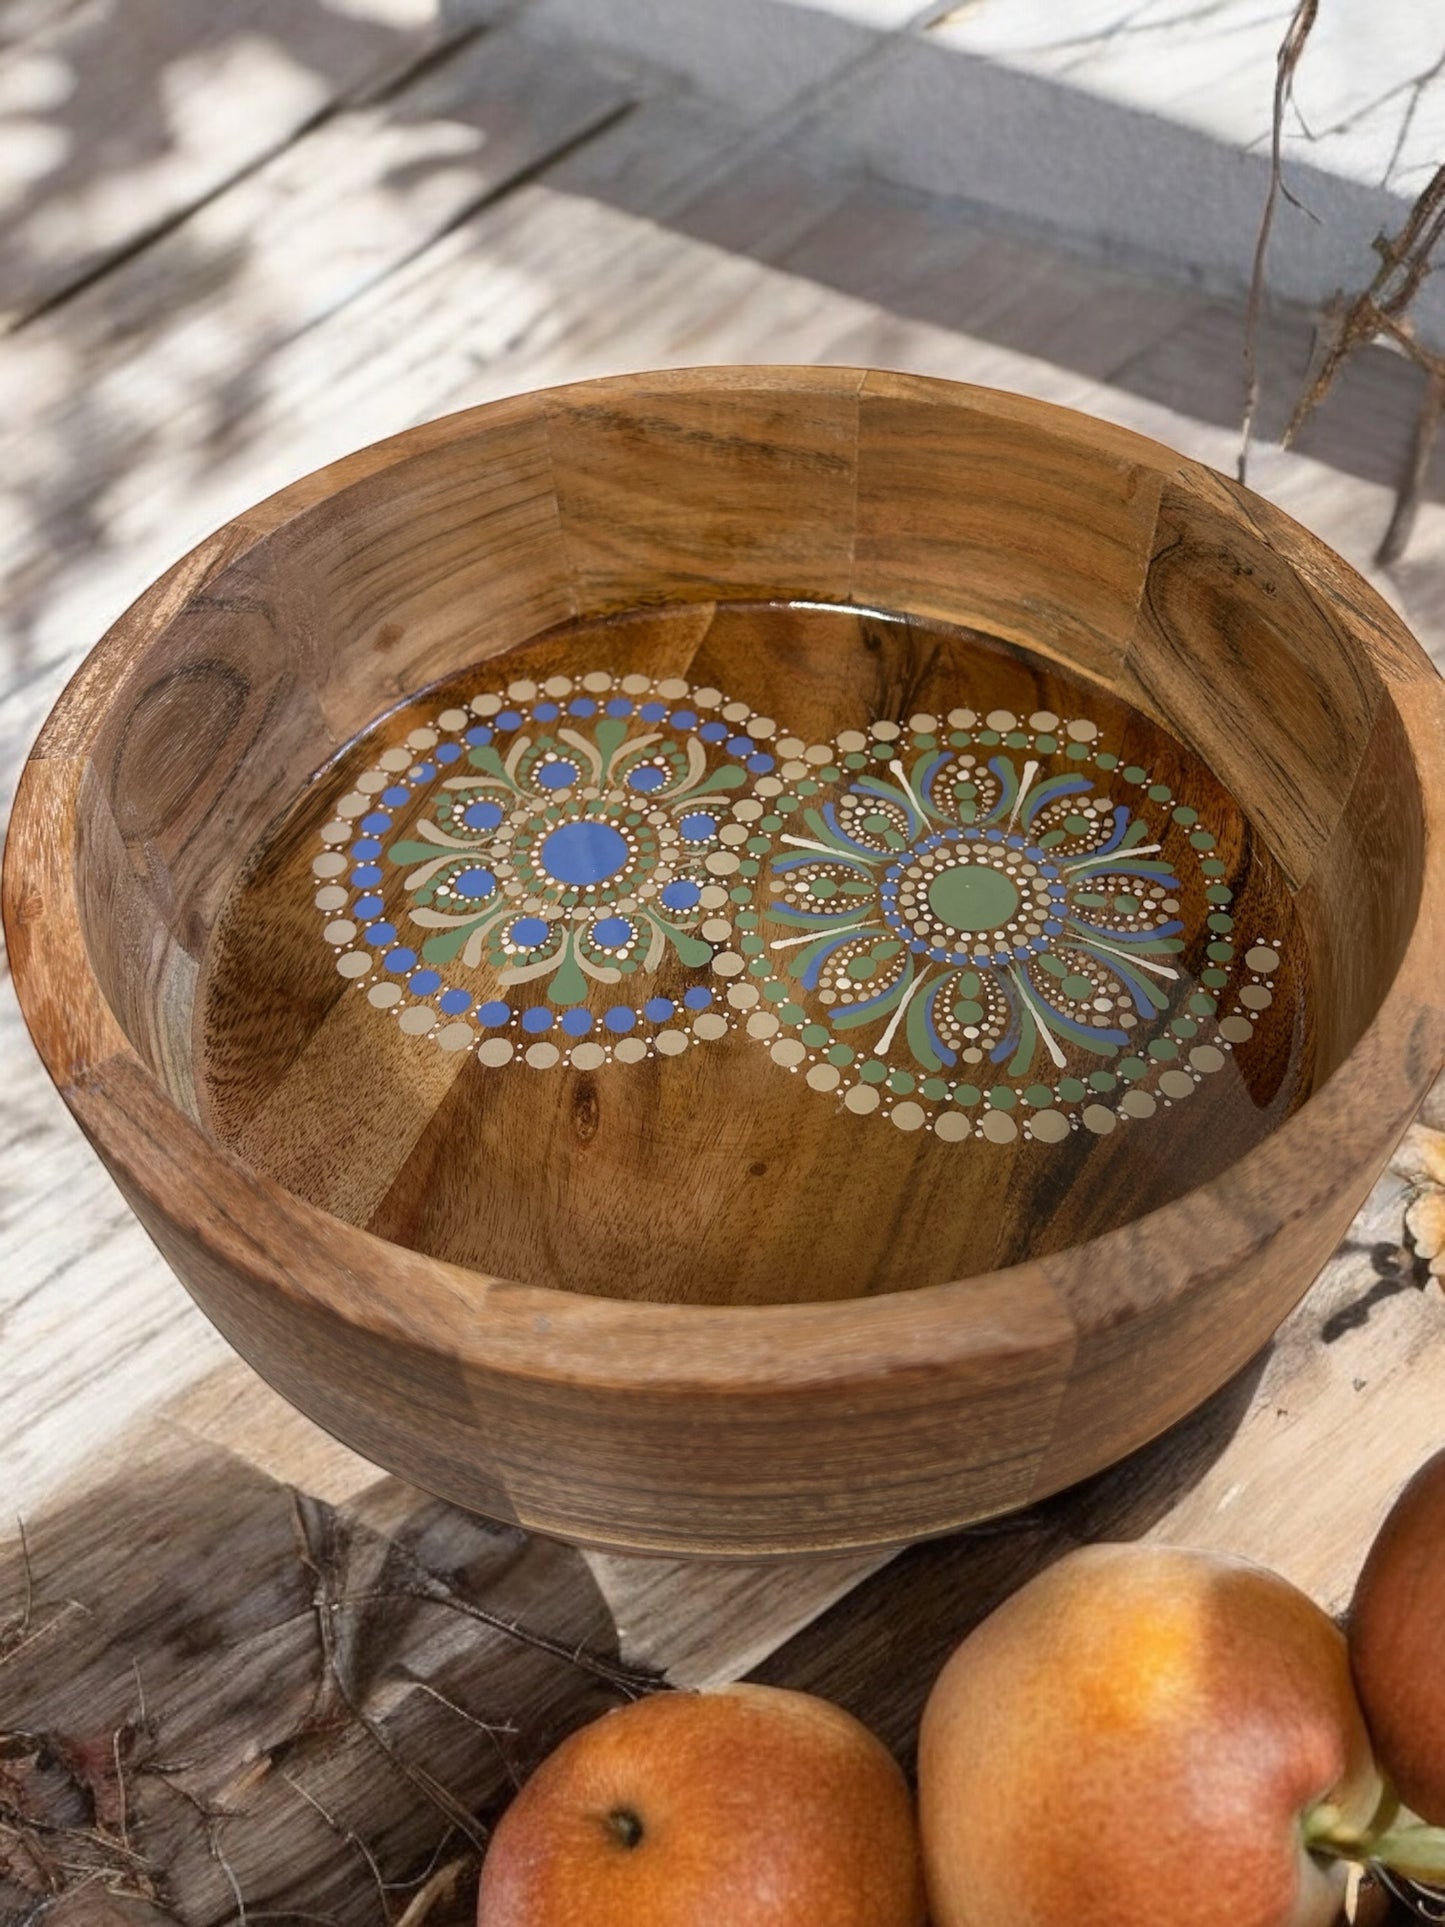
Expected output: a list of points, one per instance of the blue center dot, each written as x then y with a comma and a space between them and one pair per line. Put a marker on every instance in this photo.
584, 853
612, 932
527, 932
556, 776
697, 827
682, 894
481, 816
646, 779
474, 883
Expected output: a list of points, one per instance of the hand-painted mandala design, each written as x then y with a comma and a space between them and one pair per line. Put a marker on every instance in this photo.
974, 924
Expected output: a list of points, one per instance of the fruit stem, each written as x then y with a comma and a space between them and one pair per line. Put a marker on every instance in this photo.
1394, 1838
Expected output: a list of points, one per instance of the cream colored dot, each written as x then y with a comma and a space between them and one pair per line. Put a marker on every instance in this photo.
712, 896
1236, 1030
395, 759
1204, 1057
733, 833
824, 1077
710, 1026
595, 681
453, 719
763, 1023
923, 723
761, 728
671, 1043
629, 1050
743, 996
1043, 719
372, 781
962, 718
1001, 719
541, 1056
522, 690
728, 963
998, 1127
817, 754
707, 698
417, 1019
341, 931
353, 963
720, 863
908, 1116
788, 1051
1176, 1084
748, 810
336, 832
635, 684
885, 732
1256, 997
487, 705
952, 1127
557, 686
331, 897
768, 786
736, 712
1262, 958
862, 1098
1049, 1127
1083, 731
852, 741
384, 995
588, 1057
455, 1037
421, 738
330, 865
1098, 1120
673, 688
1138, 1104
716, 930
353, 804
494, 1051
795, 770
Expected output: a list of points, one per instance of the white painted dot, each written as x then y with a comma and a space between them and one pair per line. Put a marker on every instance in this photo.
1081, 730
594, 682
487, 705
541, 1056
341, 931
1204, 1057
455, 1037
1098, 1120
908, 1116
330, 865
453, 719
852, 741
421, 738
634, 684
998, 1127
416, 1019
384, 995
1262, 958
1236, 1030
331, 897
355, 963
710, 1026
862, 1098
671, 1043
716, 930
1138, 1104
1043, 719
743, 996
1176, 1084
824, 1077
629, 1050
522, 690
1001, 719
763, 1023
1049, 1127
588, 1057
494, 1051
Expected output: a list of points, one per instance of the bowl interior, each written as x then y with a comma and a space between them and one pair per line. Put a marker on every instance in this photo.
593, 879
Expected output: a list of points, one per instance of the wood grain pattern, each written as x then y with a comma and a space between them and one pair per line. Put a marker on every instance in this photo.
671, 1426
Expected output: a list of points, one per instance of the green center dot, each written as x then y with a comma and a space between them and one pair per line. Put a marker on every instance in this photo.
973, 896
966, 1094
873, 1072
1002, 1098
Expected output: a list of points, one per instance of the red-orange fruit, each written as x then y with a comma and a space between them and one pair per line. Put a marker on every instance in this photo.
751, 1807
1144, 1737
1397, 1642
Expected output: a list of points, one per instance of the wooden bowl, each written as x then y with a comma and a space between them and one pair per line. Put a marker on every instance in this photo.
748, 960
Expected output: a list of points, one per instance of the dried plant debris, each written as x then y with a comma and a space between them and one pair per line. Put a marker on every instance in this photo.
250, 1706
1421, 1160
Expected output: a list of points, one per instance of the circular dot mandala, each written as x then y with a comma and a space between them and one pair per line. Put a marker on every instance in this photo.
974, 925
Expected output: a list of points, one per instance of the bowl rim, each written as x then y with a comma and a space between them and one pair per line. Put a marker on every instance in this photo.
548, 1334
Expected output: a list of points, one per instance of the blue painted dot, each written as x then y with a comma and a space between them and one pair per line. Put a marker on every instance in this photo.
612, 932
528, 932
379, 935
657, 1010
481, 734
399, 961
474, 883
649, 777
424, 983
697, 826
684, 718
760, 764
993, 836
577, 1023
509, 719
537, 1018
365, 876
366, 846
919, 947
682, 895
396, 795
741, 745
583, 853
620, 1018
713, 732
494, 1013
1014, 842
422, 773
454, 1002
619, 706
556, 776
367, 907
546, 712
448, 752
377, 821
652, 712
698, 998
583, 706
1052, 927
482, 816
